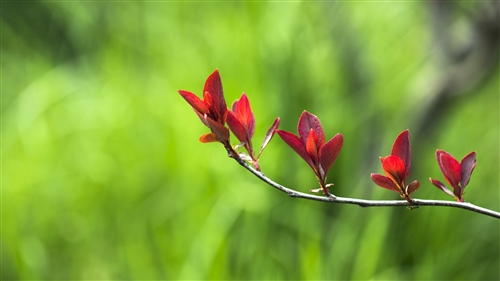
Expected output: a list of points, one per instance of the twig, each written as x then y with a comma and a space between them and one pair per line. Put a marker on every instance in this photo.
367, 203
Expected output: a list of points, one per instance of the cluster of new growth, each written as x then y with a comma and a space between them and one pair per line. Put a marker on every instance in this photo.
312, 145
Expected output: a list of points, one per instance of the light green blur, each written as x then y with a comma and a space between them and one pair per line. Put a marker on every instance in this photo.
103, 176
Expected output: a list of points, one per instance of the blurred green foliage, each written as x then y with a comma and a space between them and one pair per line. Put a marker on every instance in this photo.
103, 176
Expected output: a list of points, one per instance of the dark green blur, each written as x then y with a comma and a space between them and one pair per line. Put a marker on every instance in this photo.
103, 176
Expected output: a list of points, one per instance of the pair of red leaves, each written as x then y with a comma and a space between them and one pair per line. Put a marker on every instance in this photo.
397, 168
213, 112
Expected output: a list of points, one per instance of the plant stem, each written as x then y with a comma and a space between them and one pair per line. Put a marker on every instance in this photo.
367, 203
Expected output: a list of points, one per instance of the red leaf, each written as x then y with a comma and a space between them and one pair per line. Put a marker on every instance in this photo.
209, 102
236, 127
402, 149
385, 182
467, 165
441, 186
245, 115
218, 129
235, 104
311, 147
412, 187
210, 137
394, 168
269, 135
329, 152
213, 86
307, 121
194, 101
294, 142
450, 167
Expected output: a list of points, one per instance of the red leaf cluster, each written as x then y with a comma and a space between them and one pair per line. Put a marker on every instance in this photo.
213, 112
242, 123
310, 145
397, 167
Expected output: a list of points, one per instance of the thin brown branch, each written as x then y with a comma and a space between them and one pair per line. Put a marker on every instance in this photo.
367, 203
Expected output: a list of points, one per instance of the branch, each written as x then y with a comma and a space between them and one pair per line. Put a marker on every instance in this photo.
363, 202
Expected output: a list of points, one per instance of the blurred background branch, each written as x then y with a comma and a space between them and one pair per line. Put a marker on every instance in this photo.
465, 54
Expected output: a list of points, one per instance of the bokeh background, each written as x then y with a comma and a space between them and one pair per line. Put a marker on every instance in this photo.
103, 176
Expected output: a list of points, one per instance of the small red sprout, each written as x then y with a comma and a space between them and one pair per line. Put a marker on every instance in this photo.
311, 146
212, 110
242, 123
397, 168
456, 174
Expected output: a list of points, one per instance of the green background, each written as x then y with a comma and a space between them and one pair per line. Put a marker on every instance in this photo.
103, 176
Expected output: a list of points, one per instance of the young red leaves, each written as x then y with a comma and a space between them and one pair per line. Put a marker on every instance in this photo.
242, 123
397, 168
311, 146
212, 110
456, 174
